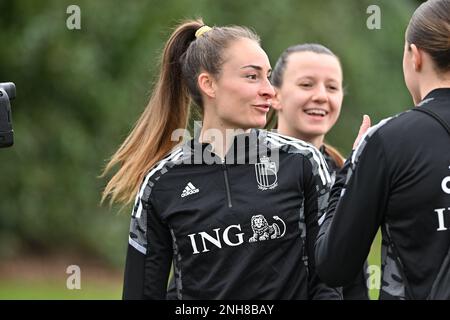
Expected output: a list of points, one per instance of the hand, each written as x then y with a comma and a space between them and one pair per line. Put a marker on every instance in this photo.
365, 125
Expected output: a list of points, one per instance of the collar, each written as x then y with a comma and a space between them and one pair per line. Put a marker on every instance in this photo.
245, 148
436, 94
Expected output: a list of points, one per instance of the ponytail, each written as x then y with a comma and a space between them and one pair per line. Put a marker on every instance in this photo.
185, 56
167, 110
429, 29
335, 155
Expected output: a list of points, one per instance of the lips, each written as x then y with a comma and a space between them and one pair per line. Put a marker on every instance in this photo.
265, 107
316, 112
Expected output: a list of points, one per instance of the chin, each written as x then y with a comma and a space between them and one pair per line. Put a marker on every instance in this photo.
245, 126
313, 131
257, 123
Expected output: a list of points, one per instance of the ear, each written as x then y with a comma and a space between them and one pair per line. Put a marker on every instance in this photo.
276, 100
206, 83
417, 57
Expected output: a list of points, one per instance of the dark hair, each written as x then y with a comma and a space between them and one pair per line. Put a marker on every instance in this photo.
183, 58
280, 66
429, 29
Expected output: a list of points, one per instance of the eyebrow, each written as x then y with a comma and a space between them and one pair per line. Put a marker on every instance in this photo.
313, 78
256, 67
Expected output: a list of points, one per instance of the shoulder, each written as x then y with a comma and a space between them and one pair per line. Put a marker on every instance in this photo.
289, 144
389, 131
307, 151
173, 158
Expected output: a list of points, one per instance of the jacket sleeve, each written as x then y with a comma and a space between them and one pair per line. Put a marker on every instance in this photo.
316, 192
149, 254
355, 210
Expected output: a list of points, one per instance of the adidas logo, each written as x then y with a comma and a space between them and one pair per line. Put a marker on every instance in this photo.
189, 189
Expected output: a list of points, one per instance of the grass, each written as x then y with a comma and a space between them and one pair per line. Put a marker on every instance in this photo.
93, 288
57, 290
375, 259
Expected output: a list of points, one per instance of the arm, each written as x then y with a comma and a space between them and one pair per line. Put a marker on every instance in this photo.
316, 196
358, 200
149, 255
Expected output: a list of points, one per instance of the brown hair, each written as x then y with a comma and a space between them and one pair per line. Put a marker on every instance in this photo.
429, 29
277, 74
183, 58
335, 155
277, 81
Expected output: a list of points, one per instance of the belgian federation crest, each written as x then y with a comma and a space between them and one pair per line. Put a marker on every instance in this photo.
266, 174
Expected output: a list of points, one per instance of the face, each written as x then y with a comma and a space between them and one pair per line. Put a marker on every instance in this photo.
309, 100
242, 91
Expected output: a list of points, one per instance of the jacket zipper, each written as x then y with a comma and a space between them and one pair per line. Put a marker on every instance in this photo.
227, 185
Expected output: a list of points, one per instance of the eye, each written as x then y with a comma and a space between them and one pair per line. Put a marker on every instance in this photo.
251, 76
305, 84
333, 88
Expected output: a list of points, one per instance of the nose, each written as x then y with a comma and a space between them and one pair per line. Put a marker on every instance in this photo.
266, 90
320, 94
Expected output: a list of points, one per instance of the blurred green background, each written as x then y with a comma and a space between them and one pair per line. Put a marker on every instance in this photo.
79, 93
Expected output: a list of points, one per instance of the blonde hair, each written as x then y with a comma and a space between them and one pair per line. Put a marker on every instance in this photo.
183, 58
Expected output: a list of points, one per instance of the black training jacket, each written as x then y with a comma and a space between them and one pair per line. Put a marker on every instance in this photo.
356, 289
240, 229
397, 178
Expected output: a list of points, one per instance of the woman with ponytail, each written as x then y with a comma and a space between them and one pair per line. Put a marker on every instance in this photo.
308, 98
234, 210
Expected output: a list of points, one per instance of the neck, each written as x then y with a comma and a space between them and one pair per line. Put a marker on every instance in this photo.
219, 135
432, 83
315, 140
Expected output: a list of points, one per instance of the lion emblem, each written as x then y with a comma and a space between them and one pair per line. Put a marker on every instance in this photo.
263, 231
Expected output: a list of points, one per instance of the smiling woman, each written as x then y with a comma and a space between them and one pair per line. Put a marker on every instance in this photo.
241, 226
309, 94
308, 83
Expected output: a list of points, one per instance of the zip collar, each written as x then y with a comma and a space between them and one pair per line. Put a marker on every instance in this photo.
246, 148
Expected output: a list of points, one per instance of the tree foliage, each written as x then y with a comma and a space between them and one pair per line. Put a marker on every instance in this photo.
79, 93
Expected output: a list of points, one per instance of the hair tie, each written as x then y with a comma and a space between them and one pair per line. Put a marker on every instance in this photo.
202, 30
